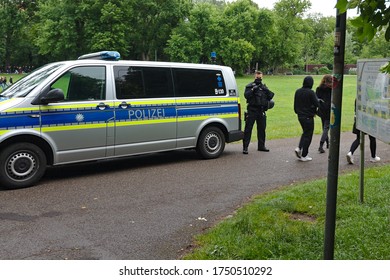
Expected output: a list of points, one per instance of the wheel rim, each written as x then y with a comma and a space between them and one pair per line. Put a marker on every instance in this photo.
21, 166
212, 143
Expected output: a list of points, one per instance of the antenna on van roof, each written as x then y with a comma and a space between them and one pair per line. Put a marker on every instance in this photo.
103, 55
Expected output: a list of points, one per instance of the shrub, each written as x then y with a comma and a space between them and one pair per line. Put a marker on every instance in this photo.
324, 70
299, 72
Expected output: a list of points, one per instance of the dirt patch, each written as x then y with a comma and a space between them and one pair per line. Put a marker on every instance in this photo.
302, 217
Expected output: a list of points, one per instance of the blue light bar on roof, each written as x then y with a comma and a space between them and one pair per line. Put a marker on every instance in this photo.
103, 55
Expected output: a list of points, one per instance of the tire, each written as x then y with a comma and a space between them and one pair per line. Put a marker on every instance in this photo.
21, 165
211, 143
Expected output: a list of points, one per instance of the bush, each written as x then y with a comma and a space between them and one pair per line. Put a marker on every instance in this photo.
299, 72
324, 70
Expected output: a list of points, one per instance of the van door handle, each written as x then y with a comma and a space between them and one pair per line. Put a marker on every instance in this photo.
34, 116
102, 106
124, 105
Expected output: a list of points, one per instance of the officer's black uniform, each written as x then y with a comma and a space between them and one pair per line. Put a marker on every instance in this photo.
258, 97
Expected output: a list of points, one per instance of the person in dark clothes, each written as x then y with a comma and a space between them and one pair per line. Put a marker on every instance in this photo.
356, 143
259, 99
324, 95
305, 106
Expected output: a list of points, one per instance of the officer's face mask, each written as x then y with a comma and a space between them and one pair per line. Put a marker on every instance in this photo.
258, 81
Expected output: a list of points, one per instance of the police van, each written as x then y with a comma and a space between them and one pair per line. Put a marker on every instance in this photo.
99, 107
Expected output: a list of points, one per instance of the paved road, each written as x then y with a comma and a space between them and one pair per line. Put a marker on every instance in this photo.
147, 207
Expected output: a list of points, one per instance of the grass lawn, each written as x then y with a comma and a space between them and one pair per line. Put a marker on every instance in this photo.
288, 224
15, 77
282, 122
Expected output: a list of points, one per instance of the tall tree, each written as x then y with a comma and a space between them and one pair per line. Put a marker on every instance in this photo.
13, 17
325, 53
196, 37
316, 29
151, 25
60, 32
249, 28
106, 27
288, 38
235, 32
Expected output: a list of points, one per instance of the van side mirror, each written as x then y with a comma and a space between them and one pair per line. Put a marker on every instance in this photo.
54, 95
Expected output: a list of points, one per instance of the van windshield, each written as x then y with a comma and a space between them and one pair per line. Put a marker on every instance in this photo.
25, 85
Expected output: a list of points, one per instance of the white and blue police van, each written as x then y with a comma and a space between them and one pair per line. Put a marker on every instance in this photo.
99, 107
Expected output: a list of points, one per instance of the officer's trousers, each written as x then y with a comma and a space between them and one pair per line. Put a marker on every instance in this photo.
260, 118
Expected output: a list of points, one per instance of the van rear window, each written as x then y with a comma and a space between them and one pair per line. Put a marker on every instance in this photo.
198, 82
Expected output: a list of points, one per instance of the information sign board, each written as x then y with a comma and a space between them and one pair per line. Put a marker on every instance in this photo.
373, 99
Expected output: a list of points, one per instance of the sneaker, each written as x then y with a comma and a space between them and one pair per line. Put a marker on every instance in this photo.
306, 158
350, 158
298, 152
321, 150
245, 151
375, 159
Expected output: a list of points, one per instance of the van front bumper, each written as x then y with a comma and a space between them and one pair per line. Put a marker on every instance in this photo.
235, 135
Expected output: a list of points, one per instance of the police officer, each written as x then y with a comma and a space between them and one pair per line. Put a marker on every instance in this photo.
259, 99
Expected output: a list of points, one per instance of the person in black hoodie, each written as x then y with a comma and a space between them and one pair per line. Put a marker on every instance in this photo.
324, 95
305, 106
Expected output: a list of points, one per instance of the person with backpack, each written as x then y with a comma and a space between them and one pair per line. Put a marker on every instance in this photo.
324, 95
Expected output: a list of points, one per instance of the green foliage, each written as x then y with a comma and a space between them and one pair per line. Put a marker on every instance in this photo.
151, 23
288, 224
288, 34
194, 39
60, 37
319, 29
325, 52
243, 36
12, 19
232, 34
237, 54
373, 16
108, 31
324, 70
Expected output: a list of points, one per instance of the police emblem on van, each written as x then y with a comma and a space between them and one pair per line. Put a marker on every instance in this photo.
79, 117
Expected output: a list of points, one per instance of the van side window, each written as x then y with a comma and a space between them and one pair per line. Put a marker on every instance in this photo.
83, 83
198, 82
142, 82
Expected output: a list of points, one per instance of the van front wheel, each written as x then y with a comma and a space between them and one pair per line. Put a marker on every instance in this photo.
211, 143
21, 165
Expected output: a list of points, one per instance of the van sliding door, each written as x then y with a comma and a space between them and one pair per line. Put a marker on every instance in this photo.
145, 110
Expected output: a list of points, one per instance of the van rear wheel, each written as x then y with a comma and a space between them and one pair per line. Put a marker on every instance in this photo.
21, 165
211, 143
